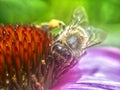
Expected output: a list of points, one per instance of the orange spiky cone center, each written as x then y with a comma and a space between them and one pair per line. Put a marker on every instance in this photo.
23, 52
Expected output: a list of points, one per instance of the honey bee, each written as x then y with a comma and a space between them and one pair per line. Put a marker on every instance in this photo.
72, 41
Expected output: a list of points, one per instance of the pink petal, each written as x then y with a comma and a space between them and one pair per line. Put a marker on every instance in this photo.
99, 69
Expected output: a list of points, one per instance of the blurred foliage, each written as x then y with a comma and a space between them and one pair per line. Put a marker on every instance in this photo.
30, 11
100, 13
22, 11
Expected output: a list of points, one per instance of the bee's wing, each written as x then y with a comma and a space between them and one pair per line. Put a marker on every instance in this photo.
95, 35
79, 17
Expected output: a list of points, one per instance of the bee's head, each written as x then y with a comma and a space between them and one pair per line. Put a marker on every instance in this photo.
61, 51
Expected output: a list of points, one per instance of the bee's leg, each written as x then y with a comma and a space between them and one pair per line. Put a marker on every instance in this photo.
54, 23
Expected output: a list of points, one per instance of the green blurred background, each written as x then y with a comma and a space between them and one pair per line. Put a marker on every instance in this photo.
104, 14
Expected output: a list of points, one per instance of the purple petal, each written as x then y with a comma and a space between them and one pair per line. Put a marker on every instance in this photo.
99, 69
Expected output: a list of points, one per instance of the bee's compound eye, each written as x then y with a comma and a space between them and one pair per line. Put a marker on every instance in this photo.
57, 48
61, 51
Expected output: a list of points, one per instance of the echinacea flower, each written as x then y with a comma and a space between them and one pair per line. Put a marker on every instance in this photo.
30, 59
99, 69
23, 52
24, 66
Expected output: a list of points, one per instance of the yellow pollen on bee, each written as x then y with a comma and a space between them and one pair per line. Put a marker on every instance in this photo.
54, 23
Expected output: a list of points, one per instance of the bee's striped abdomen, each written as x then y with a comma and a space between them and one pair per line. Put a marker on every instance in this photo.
23, 52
